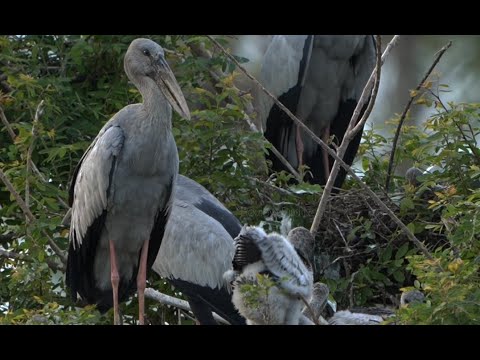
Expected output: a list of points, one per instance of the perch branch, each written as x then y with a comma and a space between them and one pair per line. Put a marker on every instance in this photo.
353, 128
404, 113
30, 216
332, 153
173, 301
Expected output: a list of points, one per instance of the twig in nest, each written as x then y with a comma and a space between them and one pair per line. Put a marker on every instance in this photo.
404, 114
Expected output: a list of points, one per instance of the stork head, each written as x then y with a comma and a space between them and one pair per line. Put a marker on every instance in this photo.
303, 242
146, 59
412, 296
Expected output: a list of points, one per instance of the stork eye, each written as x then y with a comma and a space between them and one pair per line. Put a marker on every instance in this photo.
146, 52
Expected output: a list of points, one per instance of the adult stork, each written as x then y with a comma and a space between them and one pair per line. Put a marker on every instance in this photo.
122, 188
197, 249
319, 78
287, 265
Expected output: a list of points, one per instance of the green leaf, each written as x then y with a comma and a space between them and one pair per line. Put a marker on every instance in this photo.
401, 251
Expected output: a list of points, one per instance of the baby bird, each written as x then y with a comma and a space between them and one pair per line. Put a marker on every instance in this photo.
269, 278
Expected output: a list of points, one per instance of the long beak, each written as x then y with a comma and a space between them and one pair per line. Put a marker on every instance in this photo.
168, 85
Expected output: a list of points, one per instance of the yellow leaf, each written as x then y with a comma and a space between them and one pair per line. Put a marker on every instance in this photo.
455, 265
452, 190
421, 101
413, 93
428, 85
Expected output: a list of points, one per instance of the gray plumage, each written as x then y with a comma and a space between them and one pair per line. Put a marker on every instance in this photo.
411, 297
345, 317
271, 255
197, 249
374, 315
320, 79
121, 190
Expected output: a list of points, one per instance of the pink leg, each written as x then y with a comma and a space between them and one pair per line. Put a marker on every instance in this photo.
141, 283
326, 165
115, 278
299, 143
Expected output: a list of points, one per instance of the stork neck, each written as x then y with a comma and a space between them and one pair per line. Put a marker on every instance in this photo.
155, 104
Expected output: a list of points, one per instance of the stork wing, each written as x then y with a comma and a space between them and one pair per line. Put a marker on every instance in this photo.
92, 183
90, 191
193, 240
193, 193
283, 68
282, 260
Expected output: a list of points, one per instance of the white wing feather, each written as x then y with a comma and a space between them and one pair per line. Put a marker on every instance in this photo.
93, 181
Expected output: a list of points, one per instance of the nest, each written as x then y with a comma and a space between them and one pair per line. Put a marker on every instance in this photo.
355, 231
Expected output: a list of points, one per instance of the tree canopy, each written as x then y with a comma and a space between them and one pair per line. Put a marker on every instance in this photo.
56, 92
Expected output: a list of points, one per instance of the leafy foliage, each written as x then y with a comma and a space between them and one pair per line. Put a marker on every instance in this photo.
360, 254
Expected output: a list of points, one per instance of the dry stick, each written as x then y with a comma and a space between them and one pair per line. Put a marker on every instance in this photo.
16, 256
173, 301
404, 114
352, 129
32, 164
332, 153
30, 216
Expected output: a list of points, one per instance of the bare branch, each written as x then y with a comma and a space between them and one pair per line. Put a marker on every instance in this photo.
352, 129
404, 113
7, 124
30, 216
175, 302
38, 113
16, 256
332, 153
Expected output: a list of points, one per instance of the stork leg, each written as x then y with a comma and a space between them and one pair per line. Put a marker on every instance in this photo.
326, 165
141, 283
115, 279
300, 147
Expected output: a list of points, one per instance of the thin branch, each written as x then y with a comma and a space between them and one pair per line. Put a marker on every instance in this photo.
32, 164
38, 113
16, 256
332, 153
266, 184
30, 216
353, 128
7, 124
175, 302
404, 114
